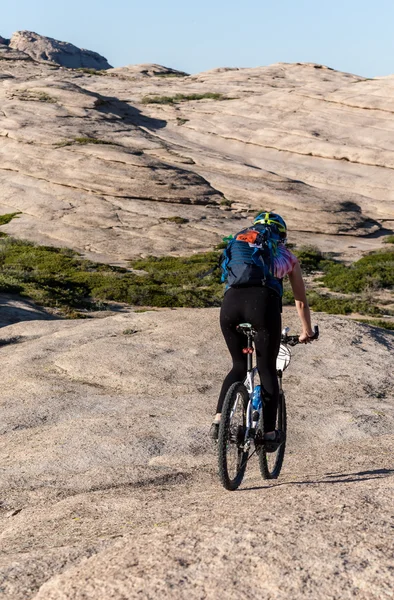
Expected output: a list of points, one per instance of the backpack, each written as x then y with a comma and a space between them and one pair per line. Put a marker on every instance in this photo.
248, 259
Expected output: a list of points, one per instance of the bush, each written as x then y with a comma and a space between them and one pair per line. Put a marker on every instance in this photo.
90, 140
90, 71
389, 239
9, 284
61, 278
373, 271
288, 297
36, 96
177, 74
310, 258
4, 219
182, 98
378, 323
84, 141
341, 306
176, 220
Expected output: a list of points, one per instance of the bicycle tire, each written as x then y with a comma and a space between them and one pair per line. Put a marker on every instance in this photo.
230, 437
271, 462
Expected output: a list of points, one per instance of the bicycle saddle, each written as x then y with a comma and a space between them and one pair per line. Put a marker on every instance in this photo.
246, 328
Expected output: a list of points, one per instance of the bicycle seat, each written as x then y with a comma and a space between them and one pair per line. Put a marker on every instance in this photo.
246, 328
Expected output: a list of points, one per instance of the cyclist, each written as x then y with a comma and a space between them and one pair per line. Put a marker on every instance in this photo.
261, 306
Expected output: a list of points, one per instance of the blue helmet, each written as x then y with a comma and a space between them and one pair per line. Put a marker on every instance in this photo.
269, 218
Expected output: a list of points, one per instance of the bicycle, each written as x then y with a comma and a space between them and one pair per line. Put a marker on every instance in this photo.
236, 437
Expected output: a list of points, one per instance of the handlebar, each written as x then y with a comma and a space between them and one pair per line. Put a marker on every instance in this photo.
293, 340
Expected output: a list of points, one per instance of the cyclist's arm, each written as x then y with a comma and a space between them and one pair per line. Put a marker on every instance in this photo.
298, 287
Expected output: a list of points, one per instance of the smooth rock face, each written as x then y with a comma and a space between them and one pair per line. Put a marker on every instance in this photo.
92, 164
109, 486
43, 48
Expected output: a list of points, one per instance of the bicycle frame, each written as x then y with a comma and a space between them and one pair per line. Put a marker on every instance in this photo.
249, 384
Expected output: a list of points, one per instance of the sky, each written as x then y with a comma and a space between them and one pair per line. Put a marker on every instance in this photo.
349, 35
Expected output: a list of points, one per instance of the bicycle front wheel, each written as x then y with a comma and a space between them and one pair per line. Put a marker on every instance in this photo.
271, 462
231, 455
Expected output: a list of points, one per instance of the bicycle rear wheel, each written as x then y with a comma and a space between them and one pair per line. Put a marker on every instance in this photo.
271, 462
231, 455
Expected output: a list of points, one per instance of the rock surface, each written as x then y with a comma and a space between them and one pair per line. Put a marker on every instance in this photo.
109, 486
43, 48
92, 164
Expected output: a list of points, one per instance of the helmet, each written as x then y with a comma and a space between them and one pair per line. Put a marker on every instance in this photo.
269, 218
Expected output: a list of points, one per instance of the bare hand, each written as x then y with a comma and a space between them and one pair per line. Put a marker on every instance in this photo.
306, 337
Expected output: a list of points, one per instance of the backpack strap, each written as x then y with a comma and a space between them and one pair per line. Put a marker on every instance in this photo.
225, 259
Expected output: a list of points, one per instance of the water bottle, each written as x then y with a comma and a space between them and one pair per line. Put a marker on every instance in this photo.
256, 398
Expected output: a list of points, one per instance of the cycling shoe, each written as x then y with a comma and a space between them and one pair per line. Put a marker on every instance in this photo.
214, 432
273, 445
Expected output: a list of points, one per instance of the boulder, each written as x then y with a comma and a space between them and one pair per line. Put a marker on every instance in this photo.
43, 48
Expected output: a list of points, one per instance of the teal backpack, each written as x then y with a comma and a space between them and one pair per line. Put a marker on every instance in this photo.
248, 259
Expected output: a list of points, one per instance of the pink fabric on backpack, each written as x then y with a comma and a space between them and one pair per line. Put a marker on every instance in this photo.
284, 261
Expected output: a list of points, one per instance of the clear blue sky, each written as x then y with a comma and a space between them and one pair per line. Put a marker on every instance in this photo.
349, 35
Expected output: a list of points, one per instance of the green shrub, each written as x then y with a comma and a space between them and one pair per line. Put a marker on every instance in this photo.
36, 96
84, 141
389, 239
176, 220
341, 306
60, 278
378, 323
9, 284
182, 98
90, 71
221, 245
4, 219
373, 271
310, 258
288, 297
90, 140
179, 74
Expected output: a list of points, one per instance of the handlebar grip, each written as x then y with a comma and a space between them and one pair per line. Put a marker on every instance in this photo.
293, 340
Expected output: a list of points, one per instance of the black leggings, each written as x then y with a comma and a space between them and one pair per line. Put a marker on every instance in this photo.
262, 308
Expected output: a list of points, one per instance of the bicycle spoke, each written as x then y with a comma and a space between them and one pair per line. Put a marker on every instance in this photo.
231, 453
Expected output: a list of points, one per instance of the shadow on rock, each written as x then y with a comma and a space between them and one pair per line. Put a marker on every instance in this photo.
130, 115
14, 309
384, 337
332, 478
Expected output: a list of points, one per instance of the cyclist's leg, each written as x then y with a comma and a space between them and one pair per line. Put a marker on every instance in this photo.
231, 314
264, 312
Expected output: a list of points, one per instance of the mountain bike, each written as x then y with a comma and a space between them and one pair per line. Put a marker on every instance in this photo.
241, 429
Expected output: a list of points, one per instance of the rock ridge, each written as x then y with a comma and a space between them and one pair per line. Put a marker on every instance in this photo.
42, 48
102, 161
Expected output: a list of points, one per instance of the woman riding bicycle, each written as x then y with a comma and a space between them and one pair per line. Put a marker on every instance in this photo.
258, 301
